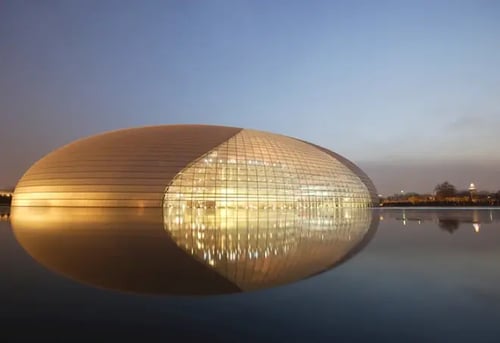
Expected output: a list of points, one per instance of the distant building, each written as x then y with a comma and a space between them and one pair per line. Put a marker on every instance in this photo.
472, 191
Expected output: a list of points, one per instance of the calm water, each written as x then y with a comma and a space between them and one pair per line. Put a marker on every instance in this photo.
388, 275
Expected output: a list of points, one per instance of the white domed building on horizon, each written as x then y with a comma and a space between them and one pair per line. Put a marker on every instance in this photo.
194, 166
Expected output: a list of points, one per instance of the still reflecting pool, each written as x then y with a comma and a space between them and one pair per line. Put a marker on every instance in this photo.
447, 219
195, 252
410, 275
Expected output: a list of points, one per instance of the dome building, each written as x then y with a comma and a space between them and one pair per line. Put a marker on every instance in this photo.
182, 167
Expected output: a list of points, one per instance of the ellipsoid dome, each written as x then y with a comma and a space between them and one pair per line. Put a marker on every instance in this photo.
194, 166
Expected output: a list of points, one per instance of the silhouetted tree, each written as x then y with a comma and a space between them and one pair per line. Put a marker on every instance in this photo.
445, 190
5, 200
449, 225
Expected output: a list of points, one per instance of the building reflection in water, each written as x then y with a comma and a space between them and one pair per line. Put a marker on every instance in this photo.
4, 213
448, 220
264, 247
198, 252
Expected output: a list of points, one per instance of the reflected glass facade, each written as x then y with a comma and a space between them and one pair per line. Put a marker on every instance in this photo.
258, 248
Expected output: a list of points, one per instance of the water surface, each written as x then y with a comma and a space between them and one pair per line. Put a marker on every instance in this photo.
407, 275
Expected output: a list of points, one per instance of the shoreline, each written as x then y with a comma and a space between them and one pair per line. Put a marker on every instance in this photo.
439, 205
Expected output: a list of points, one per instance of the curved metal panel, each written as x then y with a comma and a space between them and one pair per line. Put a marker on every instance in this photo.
124, 168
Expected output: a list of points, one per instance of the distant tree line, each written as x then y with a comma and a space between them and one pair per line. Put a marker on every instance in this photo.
5, 200
445, 194
445, 190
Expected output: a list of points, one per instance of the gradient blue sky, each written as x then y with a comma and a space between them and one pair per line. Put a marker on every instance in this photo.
408, 90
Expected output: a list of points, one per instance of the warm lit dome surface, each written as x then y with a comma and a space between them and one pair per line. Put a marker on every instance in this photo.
182, 167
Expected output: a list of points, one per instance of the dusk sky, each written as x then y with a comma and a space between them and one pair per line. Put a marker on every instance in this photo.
408, 90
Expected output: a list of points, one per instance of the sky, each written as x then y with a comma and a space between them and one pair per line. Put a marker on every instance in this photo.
408, 90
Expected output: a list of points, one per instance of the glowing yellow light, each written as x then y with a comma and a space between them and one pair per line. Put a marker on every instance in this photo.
476, 226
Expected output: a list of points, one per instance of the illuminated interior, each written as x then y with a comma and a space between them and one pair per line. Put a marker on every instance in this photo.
257, 170
264, 209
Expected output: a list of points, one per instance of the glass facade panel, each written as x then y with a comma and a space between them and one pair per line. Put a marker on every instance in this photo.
258, 170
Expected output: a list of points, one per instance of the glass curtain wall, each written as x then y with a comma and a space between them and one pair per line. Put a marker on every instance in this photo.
258, 170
